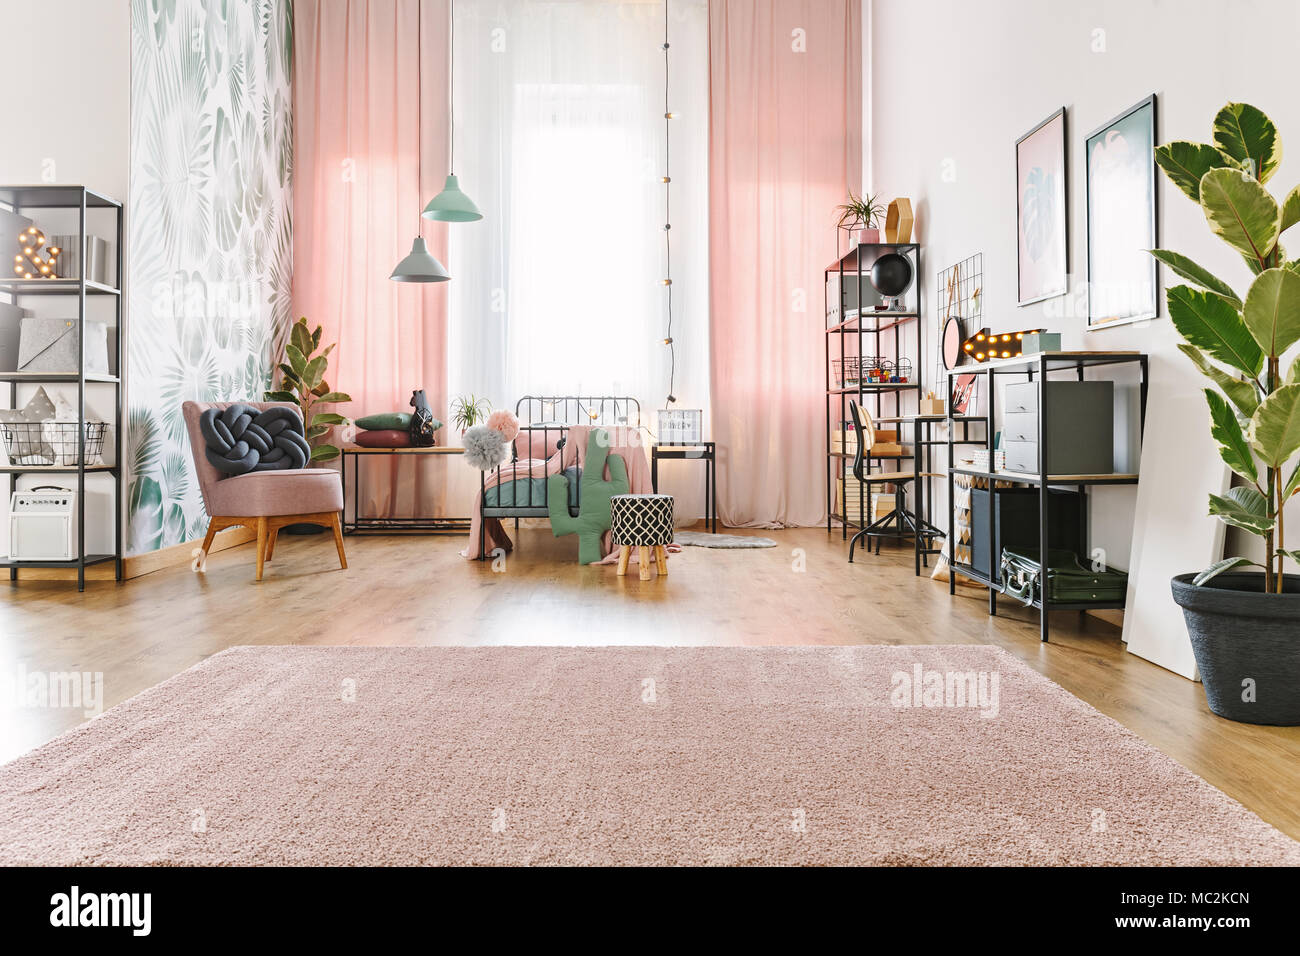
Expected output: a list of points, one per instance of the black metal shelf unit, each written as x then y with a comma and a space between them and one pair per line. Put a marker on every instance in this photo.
1037, 368
855, 330
22, 200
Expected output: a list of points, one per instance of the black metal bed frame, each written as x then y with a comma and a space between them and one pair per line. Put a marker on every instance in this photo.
540, 417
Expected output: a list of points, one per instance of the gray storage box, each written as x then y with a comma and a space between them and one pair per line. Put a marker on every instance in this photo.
50, 345
11, 317
1079, 436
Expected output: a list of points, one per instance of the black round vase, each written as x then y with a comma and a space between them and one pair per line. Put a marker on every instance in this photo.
1247, 645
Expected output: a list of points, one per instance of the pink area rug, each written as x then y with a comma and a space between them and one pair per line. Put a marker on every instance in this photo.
339, 755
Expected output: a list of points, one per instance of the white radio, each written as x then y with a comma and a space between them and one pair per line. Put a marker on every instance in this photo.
43, 524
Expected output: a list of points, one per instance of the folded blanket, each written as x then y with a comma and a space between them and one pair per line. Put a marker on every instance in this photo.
624, 440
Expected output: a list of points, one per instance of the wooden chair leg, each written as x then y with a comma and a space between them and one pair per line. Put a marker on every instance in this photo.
272, 535
338, 542
207, 538
261, 545
643, 558
624, 554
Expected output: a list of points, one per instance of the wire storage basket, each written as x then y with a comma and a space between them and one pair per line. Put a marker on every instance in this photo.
52, 443
846, 371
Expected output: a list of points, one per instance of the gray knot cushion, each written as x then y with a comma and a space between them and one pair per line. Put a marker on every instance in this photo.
641, 520
240, 439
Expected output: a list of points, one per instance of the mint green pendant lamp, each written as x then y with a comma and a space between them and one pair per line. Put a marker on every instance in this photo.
452, 205
420, 265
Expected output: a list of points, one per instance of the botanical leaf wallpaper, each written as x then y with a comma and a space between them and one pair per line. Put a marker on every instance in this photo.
210, 236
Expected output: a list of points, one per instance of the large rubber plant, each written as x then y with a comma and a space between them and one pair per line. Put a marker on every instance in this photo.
302, 381
1238, 342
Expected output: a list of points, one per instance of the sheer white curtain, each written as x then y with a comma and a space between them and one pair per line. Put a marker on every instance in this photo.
559, 138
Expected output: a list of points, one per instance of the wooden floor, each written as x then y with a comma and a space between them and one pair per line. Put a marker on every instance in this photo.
418, 590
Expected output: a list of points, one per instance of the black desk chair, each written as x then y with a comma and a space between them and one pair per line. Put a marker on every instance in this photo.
899, 523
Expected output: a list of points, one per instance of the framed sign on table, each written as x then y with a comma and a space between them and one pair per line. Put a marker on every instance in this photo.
1041, 236
1120, 177
680, 426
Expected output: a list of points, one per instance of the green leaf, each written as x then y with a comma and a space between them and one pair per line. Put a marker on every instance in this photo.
1247, 135
1274, 430
324, 453
321, 389
1241, 212
315, 337
1291, 209
1226, 430
316, 431
297, 360
1243, 508
328, 418
1218, 567
1211, 324
281, 397
1242, 394
1186, 163
1293, 376
1292, 485
1190, 271
315, 371
288, 372
300, 338
1293, 555
334, 398
1272, 311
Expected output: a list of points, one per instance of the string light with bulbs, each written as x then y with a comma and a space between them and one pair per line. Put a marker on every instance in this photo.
667, 181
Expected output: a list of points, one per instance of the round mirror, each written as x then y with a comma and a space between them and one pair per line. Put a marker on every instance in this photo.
952, 339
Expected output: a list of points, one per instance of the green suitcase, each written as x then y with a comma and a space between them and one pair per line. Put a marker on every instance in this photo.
1067, 581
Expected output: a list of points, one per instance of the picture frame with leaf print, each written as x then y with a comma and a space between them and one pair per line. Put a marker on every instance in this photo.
1042, 236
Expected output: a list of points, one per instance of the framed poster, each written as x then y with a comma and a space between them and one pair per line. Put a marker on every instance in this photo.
1041, 237
1120, 177
680, 426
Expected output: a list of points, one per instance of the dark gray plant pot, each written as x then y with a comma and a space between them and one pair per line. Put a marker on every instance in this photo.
1239, 633
304, 528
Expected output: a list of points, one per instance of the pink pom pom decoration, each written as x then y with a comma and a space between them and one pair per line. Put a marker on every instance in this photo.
505, 422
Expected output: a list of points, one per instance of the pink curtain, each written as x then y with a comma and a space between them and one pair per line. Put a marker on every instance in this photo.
370, 151
785, 143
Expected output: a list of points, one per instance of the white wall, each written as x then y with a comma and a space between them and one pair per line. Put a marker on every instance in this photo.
67, 120
953, 84
68, 86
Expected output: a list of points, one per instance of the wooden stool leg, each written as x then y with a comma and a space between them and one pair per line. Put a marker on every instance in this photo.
338, 542
207, 538
624, 553
261, 545
661, 559
270, 543
643, 556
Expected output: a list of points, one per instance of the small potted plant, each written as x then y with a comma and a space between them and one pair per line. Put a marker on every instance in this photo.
468, 411
862, 213
1244, 625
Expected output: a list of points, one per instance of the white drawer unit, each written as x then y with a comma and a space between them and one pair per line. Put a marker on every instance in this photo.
43, 525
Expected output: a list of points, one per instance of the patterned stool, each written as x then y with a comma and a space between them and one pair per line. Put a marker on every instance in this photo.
644, 522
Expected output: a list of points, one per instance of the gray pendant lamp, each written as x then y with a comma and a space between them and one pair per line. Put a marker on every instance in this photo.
452, 205
420, 265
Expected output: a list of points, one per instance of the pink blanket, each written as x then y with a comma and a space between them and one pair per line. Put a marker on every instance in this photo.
624, 441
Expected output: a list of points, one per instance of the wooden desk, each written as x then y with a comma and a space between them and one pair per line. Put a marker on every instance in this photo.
360, 525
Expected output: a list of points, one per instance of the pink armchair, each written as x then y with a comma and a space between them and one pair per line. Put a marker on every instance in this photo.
264, 501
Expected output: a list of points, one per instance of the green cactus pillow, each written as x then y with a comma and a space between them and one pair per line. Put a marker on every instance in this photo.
594, 509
